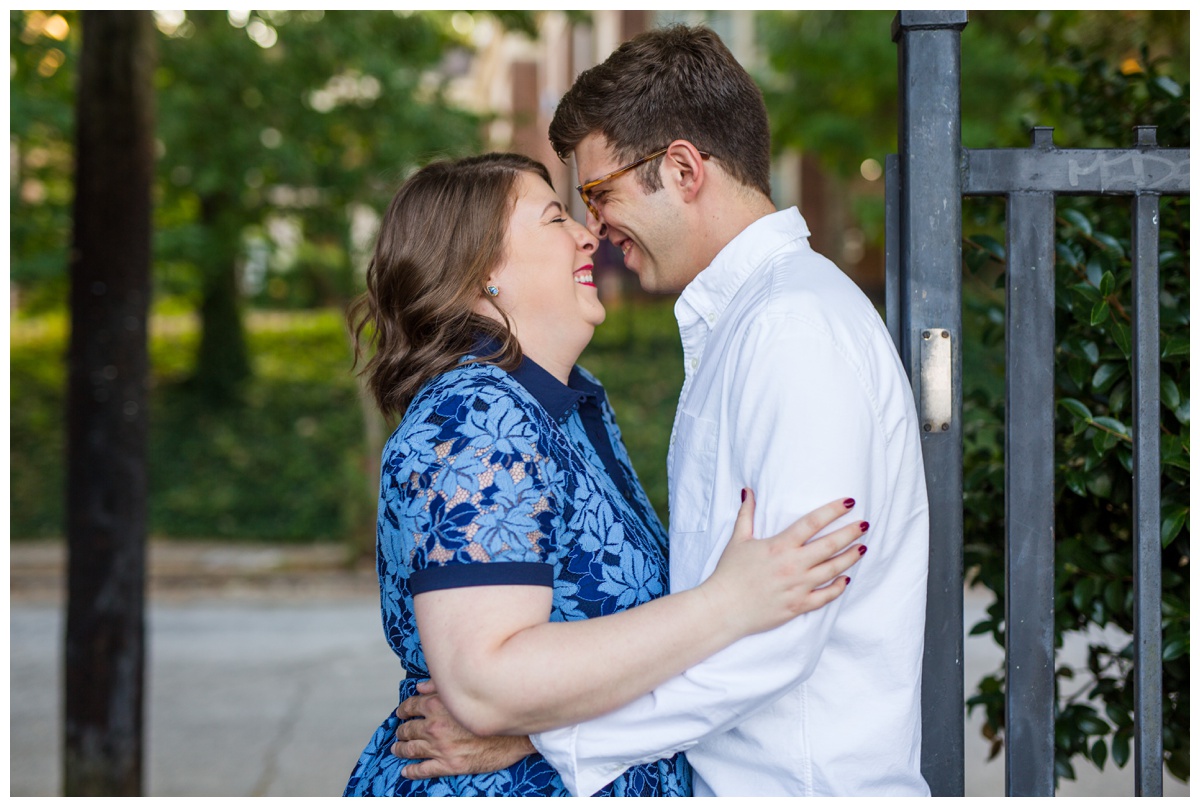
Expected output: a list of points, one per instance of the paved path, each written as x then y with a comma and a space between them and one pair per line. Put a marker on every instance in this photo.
268, 672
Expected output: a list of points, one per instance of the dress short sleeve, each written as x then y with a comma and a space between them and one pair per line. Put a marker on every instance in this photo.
475, 488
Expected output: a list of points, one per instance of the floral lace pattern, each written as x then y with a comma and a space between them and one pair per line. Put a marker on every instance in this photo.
478, 479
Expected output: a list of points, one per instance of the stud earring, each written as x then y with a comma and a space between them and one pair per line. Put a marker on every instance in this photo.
492, 290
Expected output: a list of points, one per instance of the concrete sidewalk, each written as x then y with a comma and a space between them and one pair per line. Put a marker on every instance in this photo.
268, 671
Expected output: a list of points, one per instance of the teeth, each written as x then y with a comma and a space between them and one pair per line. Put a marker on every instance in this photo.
584, 278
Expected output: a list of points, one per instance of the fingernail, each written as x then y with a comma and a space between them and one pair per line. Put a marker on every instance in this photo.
743, 494
862, 550
863, 526
847, 581
848, 504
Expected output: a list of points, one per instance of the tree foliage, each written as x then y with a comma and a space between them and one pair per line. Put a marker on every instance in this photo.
1094, 426
281, 136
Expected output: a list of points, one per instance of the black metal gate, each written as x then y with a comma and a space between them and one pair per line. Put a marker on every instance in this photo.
925, 186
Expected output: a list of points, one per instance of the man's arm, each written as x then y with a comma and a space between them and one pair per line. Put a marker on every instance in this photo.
803, 427
431, 734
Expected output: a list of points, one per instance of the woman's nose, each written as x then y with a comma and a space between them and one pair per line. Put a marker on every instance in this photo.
585, 238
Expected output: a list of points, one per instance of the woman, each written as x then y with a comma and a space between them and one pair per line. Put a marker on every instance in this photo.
514, 538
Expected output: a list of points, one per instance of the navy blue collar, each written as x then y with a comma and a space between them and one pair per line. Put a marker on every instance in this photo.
557, 398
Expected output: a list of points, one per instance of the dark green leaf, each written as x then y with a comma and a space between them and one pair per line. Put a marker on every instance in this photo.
1175, 648
1079, 220
1099, 312
990, 245
1063, 768
1176, 346
1110, 242
1120, 334
1120, 748
1119, 716
1076, 408
1125, 457
1107, 282
1175, 518
1170, 392
1118, 397
1116, 565
1099, 753
1067, 255
1113, 424
1076, 481
1083, 592
1183, 413
1114, 596
1107, 374
1087, 291
1090, 723
982, 627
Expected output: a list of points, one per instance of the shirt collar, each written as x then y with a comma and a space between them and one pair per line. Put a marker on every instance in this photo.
557, 398
708, 295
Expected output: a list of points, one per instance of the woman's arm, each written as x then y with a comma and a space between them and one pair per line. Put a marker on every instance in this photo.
502, 668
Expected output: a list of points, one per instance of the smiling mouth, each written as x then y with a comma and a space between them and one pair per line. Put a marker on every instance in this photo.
583, 276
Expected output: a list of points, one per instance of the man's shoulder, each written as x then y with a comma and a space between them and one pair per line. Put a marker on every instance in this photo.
799, 290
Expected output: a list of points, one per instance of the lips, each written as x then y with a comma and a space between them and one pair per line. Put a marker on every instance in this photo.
583, 276
626, 248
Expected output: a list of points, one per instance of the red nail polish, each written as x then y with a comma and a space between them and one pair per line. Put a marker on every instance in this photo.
863, 526
848, 504
862, 550
847, 581
743, 494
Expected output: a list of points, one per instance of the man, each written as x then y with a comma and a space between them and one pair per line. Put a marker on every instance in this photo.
792, 388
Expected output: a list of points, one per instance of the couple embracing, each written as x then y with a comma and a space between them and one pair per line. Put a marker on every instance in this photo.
556, 641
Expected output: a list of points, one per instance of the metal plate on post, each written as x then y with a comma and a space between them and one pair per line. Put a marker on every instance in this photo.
937, 391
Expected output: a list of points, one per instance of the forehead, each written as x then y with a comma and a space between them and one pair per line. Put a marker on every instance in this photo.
532, 196
594, 158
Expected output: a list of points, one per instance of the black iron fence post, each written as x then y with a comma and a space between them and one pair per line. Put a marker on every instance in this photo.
1147, 501
1029, 493
928, 250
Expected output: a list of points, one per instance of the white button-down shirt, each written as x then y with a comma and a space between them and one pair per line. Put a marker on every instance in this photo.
793, 388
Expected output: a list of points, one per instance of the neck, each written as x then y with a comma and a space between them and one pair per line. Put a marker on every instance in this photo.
555, 357
721, 223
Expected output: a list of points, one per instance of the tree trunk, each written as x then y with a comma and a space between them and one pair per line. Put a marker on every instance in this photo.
222, 361
107, 407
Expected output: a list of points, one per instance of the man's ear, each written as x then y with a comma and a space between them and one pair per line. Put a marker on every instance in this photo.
686, 168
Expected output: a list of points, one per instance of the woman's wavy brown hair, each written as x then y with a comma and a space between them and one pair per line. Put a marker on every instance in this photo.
443, 233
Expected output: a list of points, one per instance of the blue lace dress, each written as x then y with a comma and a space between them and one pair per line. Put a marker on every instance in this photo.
498, 478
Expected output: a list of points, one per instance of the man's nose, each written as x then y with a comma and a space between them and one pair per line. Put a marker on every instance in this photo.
597, 227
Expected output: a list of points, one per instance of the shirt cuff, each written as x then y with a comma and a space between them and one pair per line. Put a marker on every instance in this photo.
558, 747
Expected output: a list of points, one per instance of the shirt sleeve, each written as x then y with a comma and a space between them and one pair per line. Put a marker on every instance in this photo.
478, 493
803, 430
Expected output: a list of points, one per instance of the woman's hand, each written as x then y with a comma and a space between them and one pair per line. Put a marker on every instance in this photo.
765, 583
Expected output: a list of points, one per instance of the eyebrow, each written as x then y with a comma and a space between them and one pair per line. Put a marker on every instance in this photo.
555, 203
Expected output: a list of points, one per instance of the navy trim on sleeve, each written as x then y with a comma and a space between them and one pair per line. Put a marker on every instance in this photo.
464, 575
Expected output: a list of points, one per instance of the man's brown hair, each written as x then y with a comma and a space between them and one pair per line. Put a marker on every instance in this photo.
671, 83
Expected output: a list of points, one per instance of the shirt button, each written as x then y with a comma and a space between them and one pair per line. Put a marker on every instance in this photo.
695, 363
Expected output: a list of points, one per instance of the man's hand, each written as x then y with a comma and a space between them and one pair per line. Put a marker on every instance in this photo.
430, 733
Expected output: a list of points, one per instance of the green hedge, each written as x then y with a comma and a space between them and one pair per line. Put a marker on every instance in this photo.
290, 463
